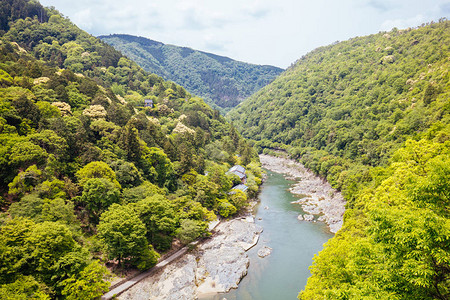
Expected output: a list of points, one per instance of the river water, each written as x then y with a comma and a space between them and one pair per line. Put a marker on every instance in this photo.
283, 273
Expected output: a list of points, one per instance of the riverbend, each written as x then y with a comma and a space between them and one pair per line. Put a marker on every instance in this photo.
284, 272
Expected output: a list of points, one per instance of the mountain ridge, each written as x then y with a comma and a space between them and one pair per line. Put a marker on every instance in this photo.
218, 79
102, 164
372, 116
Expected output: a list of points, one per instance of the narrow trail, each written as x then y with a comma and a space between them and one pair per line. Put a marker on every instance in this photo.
125, 285
129, 283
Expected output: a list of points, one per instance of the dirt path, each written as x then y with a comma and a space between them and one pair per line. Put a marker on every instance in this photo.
129, 283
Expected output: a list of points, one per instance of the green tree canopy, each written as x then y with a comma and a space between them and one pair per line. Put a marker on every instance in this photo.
97, 169
90, 284
98, 194
123, 234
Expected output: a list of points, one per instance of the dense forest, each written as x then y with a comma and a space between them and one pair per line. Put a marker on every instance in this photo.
371, 115
221, 81
89, 176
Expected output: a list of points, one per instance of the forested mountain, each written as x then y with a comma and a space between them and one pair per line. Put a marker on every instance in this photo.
89, 175
219, 80
371, 115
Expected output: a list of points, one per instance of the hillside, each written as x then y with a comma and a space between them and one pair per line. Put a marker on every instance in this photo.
371, 115
88, 175
219, 80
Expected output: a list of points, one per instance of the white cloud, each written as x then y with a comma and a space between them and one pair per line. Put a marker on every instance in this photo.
403, 23
83, 18
258, 31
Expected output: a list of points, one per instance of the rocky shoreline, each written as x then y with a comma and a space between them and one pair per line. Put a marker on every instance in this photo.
219, 264
216, 266
318, 198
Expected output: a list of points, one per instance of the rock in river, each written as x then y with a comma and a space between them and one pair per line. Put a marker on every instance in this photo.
264, 251
308, 218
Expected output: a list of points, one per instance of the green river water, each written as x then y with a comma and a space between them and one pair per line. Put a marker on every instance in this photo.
283, 273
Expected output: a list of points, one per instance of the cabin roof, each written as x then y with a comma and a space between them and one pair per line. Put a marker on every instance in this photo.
241, 187
238, 170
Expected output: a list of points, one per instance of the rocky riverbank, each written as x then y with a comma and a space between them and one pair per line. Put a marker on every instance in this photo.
317, 196
216, 266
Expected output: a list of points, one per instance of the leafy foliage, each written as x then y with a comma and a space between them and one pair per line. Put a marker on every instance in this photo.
371, 115
123, 233
396, 244
342, 108
190, 230
24, 288
86, 172
89, 285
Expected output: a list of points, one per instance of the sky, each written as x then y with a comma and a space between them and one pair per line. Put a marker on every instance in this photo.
269, 32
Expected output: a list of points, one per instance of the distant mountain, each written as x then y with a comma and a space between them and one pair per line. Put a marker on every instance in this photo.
220, 80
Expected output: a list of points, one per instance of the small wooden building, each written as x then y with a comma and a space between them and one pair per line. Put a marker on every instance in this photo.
241, 187
239, 171
148, 103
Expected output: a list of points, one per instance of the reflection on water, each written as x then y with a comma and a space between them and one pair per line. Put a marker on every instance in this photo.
282, 274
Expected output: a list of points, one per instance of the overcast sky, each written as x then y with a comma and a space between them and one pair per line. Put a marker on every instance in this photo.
273, 32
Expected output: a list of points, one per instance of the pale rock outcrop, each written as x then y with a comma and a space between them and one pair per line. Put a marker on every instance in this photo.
308, 218
216, 266
264, 251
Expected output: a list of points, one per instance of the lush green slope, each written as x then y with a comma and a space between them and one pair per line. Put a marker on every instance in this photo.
220, 80
357, 100
87, 174
371, 115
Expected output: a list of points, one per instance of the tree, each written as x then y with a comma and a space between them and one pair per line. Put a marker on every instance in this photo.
225, 208
430, 94
190, 230
123, 234
160, 169
52, 189
27, 109
127, 173
130, 142
217, 175
97, 169
140, 192
25, 181
48, 110
13, 234
46, 243
24, 288
91, 283
59, 210
30, 206
158, 215
395, 242
238, 199
189, 209
98, 194
5, 79
25, 154
50, 142
205, 191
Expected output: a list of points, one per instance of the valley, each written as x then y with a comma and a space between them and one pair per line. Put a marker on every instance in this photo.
222, 82
110, 160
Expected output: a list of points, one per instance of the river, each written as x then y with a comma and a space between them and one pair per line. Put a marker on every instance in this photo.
283, 273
